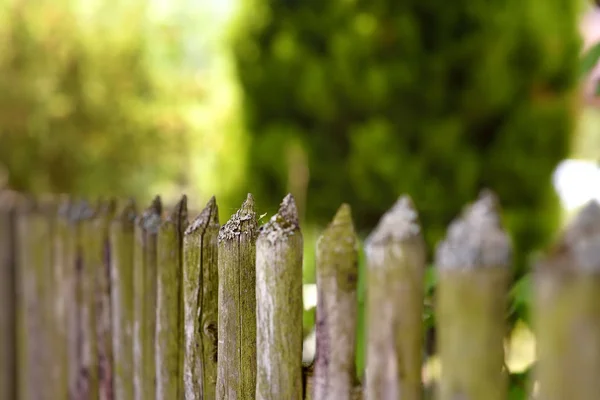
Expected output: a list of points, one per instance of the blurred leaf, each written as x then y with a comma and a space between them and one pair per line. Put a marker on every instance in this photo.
589, 60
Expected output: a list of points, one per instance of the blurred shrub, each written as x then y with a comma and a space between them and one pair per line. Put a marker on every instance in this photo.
84, 105
430, 99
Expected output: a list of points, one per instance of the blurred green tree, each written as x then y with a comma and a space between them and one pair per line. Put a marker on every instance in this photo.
437, 101
84, 106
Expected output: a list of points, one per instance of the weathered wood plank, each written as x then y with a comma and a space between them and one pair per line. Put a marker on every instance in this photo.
121, 269
395, 290
337, 302
144, 278
474, 271
8, 249
236, 363
279, 250
91, 260
101, 290
35, 260
63, 269
200, 290
567, 312
169, 336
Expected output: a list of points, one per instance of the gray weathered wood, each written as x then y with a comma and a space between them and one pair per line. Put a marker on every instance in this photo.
567, 312
200, 290
8, 250
101, 288
395, 289
144, 277
337, 276
34, 260
90, 261
64, 262
68, 278
236, 363
169, 336
474, 270
279, 306
121, 269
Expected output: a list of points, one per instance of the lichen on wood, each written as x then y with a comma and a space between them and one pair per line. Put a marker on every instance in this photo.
396, 265
474, 271
121, 269
236, 363
279, 305
567, 311
200, 304
337, 303
169, 302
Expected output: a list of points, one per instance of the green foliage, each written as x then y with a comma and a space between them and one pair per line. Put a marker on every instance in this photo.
434, 100
84, 107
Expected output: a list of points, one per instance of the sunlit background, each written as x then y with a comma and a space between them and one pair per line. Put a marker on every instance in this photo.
338, 102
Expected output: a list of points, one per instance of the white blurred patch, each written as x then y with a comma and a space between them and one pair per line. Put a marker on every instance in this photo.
577, 182
309, 295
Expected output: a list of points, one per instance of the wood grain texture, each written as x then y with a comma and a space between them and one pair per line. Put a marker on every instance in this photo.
395, 290
121, 269
34, 263
567, 311
279, 305
236, 364
8, 259
101, 287
144, 301
91, 261
473, 265
169, 302
337, 303
200, 304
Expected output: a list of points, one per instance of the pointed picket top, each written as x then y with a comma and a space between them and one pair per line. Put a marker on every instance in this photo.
150, 219
476, 239
178, 215
126, 211
578, 248
282, 224
398, 225
107, 207
243, 221
208, 216
341, 229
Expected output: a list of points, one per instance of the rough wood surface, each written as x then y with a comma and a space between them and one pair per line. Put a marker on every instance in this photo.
121, 269
34, 260
308, 379
101, 289
91, 261
7, 296
337, 276
169, 336
279, 306
567, 312
236, 364
396, 265
474, 270
144, 288
200, 290
66, 274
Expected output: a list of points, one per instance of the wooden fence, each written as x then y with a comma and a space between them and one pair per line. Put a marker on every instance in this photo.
104, 302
